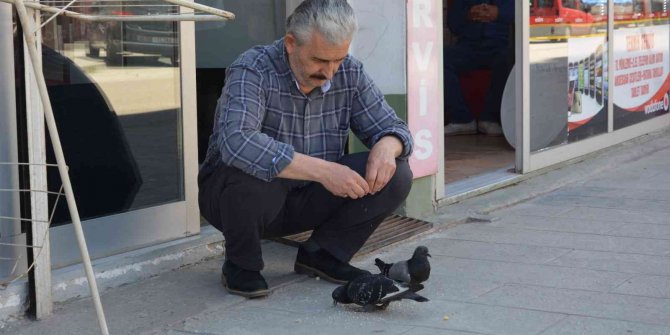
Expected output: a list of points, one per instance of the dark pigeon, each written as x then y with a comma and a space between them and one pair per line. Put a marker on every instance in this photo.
375, 292
412, 271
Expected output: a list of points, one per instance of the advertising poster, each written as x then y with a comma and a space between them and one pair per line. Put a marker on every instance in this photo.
587, 87
641, 80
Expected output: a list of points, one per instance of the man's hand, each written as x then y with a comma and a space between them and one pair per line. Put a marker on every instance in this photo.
337, 178
483, 13
381, 162
342, 181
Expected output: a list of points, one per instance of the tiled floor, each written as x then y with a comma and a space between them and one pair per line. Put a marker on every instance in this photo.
470, 155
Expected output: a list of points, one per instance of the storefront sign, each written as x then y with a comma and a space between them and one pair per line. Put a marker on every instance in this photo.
641, 68
424, 90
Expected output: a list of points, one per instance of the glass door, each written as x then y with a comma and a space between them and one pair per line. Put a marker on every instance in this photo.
116, 92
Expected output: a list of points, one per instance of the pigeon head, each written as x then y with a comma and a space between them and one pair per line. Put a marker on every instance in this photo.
421, 251
340, 295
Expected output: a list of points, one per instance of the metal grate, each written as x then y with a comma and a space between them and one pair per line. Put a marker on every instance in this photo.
393, 229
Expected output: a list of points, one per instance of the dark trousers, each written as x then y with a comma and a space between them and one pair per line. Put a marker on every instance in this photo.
247, 209
465, 57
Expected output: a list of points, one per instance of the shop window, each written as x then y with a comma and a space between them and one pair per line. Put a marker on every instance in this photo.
641, 63
116, 94
568, 53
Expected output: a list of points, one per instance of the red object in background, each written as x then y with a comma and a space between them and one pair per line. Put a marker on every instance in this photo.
475, 85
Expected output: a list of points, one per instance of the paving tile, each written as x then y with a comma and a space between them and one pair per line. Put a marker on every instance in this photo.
594, 326
593, 242
254, 320
586, 303
615, 191
632, 182
440, 331
493, 251
635, 205
557, 224
649, 286
491, 319
647, 230
528, 208
457, 269
617, 215
620, 262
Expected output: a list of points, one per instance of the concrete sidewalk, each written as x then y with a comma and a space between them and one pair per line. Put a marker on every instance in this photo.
584, 249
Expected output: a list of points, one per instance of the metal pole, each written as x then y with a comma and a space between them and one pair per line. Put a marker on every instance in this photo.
60, 159
9, 199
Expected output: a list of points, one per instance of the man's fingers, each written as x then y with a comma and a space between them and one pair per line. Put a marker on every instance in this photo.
370, 176
381, 182
363, 184
356, 191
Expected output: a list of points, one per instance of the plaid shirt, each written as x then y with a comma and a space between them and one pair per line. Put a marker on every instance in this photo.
262, 117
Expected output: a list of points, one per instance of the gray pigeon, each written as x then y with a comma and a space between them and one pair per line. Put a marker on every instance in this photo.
375, 292
412, 271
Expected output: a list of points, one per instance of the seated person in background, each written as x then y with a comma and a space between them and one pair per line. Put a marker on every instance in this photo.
482, 28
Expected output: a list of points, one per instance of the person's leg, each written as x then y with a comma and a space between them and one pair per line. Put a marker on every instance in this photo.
347, 229
457, 60
499, 63
240, 206
341, 225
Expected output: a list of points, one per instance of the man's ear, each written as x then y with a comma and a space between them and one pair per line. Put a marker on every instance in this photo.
289, 42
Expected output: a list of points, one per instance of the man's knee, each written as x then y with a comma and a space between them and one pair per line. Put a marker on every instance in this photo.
239, 196
401, 183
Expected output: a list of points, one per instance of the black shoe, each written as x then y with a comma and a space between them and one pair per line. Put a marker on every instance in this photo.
243, 282
323, 264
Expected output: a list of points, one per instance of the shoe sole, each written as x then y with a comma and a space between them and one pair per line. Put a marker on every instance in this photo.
491, 134
250, 295
303, 269
464, 132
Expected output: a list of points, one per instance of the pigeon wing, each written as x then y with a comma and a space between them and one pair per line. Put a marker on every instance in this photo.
403, 293
400, 272
369, 290
418, 269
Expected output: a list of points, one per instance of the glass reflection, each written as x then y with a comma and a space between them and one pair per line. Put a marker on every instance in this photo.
641, 61
568, 53
115, 91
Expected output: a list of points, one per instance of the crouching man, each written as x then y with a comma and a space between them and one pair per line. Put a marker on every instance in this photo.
275, 165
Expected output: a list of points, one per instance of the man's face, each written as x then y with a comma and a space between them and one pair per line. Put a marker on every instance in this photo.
315, 61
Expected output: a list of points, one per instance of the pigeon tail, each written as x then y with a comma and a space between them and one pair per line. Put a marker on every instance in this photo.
415, 297
415, 287
383, 267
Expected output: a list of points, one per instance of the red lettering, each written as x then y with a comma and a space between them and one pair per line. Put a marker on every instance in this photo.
644, 89
635, 92
632, 43
647, 41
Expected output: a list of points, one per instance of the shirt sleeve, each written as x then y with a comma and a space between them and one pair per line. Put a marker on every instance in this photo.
457, 15
506, 11
372, 118
241, 111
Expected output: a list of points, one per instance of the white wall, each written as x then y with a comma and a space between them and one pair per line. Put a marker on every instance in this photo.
381, 42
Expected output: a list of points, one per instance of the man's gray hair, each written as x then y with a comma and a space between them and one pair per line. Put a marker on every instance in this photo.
334, 19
